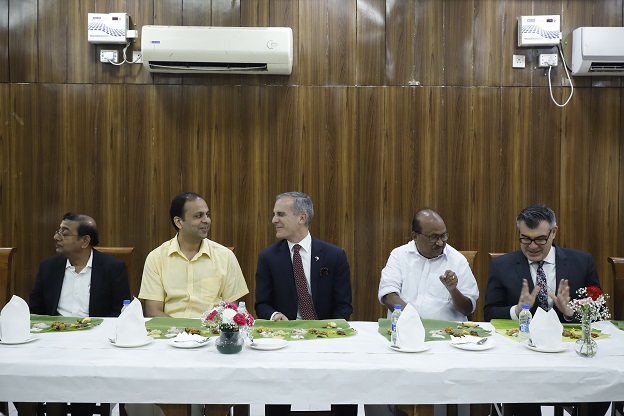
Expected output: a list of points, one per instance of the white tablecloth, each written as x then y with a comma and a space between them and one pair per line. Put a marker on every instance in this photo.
83, 366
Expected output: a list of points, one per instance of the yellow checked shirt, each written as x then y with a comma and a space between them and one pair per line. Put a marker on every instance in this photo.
189, 288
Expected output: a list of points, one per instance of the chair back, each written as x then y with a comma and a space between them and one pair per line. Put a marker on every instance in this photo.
470, 256
617, 286
124, 254
494, 255
6, 273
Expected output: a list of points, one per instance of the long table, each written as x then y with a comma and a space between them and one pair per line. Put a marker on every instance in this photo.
83, 366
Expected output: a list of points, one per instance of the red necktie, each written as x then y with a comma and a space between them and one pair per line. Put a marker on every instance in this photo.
303, 296
542, 296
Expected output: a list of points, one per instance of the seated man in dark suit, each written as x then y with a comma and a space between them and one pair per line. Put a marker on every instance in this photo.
79, 281
300, 277
540, 274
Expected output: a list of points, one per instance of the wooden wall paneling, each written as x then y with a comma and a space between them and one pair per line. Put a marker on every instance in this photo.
371, 42
455, 172
313, 42
515, 76
488, 195
488, 43
141, 13
342, 30
169, 13
52, 57
285, 13
515, 132
23, 48
4, 40
429, 42
147, 209
369, 257
404, 176
6, 168
458, 42
400, 50
81, 55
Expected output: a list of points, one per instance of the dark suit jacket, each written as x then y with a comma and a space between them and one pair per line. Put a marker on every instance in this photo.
330, 280
109, 286
507, 271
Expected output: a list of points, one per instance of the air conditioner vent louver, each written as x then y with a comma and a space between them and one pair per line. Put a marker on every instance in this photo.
606, 67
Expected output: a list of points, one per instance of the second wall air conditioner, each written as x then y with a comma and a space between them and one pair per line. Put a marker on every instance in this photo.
598, 51
209, 49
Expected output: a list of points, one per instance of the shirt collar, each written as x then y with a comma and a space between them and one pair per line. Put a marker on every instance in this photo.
413, 249
305, 244
68, 264
550, 257
174, 247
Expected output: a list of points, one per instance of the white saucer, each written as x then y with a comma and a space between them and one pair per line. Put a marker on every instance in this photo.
421, 349
471, 346
188, 344
539, 349
24, 341
267, 344
141, 343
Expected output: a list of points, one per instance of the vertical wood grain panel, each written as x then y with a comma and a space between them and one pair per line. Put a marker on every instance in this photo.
23, 49
81, 55
488, 42
313, 42
52, 55
196, 13
4, 40
341, 54
399, 42
458, 42
369, 151
428, 42
371, 42
6, 168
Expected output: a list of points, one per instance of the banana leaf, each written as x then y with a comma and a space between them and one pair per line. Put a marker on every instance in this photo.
72, 323
506, 328
619, 324
160, 327
436, 330
302, 330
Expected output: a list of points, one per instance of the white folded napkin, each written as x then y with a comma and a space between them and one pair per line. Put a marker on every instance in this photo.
131, 325
546, 329
15, 321
410, 330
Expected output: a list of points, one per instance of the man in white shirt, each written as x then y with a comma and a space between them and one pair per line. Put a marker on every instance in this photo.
429, 274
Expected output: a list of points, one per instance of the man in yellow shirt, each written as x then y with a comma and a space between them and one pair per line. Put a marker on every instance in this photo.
189, 274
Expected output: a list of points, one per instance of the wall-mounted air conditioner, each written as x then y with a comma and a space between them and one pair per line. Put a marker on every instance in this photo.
598, 51
208, 49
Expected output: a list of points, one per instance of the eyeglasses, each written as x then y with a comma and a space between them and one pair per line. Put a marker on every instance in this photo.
63, 235
433, 238
540, 241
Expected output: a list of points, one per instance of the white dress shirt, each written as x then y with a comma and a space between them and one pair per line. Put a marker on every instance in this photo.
416, 279
76, 290
306, 259
551, 277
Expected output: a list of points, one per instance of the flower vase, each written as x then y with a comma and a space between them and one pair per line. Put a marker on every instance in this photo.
229, 341
586, 346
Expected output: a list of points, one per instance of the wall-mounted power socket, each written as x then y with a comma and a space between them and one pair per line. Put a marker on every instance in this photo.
137, 57
548, 59
108, 56
519, 61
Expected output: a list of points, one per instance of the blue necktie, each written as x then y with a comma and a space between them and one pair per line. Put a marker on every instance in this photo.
542, 296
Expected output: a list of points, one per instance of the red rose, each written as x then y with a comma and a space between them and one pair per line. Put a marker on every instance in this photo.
212, 314
593, 292
240, 319
230, 305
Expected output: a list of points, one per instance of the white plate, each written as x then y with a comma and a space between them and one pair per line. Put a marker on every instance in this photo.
267, 344
188, 344
471, 346
24, 341
539, 349
421, 349
141, 343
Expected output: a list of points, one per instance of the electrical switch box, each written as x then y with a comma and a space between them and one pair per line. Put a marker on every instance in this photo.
539, 31
108, 27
